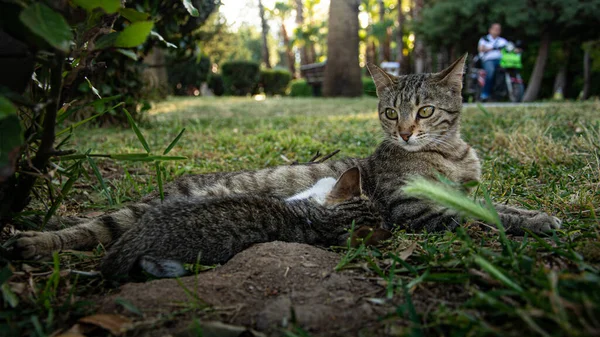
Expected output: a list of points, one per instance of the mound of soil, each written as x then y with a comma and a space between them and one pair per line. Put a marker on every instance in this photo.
268, 288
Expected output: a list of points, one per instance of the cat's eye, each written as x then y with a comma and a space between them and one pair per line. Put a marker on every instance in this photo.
426, 111
391, 113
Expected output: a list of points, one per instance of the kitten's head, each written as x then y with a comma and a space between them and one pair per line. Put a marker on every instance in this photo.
347, 200
420, 111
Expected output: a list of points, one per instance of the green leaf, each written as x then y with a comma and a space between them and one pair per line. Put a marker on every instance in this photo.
9, 296
109, 6
129, 53
190, 7
5, 274
132, 15
134, 34
106, 41
174, 142
6, 107
128, 306
49, 25
94, 90
137, 131
158, 36
11, 138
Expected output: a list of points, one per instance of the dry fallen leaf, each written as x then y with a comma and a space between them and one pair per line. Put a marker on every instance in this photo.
405, 254
116, 324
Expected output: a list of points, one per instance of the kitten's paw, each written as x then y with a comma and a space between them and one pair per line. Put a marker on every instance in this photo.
543, 223
31, 245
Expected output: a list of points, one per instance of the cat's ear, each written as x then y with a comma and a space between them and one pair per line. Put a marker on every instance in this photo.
346, 187
453, 75
381, 79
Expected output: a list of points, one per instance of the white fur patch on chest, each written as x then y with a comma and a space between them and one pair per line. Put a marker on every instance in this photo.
318, 192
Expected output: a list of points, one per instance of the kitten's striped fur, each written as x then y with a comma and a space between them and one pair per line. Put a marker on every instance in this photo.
433, 147
212, 230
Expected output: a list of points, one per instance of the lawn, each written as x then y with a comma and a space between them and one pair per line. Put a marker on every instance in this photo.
545, 157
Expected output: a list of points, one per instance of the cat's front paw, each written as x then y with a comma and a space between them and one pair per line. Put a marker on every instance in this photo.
31, 244
543, 223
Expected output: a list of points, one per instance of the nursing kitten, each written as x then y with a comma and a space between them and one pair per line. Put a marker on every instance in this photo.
420, 118
184, 230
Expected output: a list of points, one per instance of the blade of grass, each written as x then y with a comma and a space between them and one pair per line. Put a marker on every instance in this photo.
448, 197
137, 131
496, 273
174, 142
159, 180
100, 179
63, 192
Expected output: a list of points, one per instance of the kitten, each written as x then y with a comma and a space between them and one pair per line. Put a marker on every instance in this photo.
183, 230
420, 118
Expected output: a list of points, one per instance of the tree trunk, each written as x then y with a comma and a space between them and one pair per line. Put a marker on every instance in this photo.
384, 44
265, 33
587, 74
560, 81
535, 82
371, 53
342, 73
300, 23
419, 51
291, 59
399, 42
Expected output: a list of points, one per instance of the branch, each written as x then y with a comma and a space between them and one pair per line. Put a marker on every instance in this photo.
25, 182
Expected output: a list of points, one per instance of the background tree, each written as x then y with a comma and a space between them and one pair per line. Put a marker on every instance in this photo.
282, 10
343, 74
265, 34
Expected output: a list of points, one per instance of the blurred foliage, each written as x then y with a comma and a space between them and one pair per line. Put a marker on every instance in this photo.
299, 88
188, 74
70, 63
240, 78
274, 81
567, 22
369, 86
215, 83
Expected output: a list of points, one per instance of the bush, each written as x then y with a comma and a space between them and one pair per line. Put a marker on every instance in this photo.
215, 83
275, 82
369, 87
188, 74
240, 78
299, 88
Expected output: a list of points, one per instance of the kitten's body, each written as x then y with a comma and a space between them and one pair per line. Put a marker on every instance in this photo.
416, 143
184, 230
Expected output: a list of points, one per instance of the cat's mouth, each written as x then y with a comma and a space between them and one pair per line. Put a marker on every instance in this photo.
412, 145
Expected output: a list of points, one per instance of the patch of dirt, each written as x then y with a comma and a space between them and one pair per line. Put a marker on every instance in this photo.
267, 287
260, 287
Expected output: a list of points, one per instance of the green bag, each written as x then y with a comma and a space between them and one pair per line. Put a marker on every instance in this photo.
511, 60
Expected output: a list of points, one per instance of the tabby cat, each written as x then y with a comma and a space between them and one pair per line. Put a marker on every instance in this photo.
420, 118
184, 229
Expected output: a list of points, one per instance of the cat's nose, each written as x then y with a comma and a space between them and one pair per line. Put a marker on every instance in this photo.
405, 135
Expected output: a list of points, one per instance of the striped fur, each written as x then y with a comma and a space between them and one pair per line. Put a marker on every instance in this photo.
434, 147
212, 230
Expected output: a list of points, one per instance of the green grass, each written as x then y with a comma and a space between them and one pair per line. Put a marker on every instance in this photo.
537, 157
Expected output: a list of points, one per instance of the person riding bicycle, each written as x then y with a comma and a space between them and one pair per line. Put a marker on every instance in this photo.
489, 48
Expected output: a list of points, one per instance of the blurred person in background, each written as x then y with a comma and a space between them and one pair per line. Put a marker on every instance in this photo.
489, 48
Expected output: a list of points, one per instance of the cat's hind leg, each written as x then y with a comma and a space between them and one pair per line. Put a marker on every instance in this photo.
104, 229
